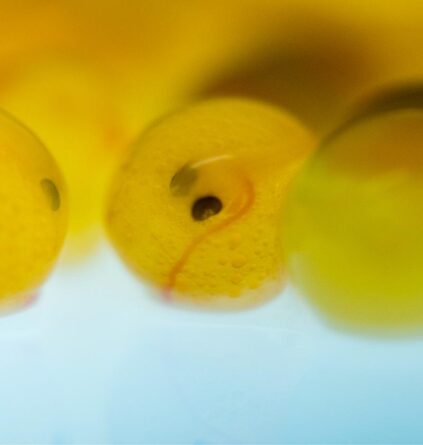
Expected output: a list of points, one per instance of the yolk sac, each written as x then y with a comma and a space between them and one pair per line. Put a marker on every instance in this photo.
204, 208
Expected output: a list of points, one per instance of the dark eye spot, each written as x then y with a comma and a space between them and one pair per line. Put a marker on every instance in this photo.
183, 180
204, 208
51, 192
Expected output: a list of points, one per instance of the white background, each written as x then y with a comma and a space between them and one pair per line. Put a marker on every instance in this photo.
97, 359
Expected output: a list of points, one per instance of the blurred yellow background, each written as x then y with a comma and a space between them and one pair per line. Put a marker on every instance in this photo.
88, 76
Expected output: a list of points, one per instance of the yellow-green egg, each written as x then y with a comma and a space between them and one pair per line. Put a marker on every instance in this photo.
194, 210
33, 214
353, 223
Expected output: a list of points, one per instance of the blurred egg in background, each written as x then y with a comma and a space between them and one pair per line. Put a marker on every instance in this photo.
353, 220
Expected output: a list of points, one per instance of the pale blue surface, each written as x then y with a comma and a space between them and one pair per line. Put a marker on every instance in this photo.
97, 361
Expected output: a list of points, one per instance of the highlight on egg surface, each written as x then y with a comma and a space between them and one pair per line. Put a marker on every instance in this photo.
353, 222
194, 209
33, 214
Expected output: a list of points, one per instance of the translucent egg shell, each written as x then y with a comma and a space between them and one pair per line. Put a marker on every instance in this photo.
194, 210
33, 214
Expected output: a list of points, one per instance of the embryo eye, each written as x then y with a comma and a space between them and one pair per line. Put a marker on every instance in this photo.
51, 192
183, 180
204, 208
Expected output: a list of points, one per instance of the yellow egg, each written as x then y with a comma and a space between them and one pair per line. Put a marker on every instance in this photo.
69, 107
33, 214
353, 223
194, 210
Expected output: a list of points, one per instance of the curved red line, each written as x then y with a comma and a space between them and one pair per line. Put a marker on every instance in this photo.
179, 265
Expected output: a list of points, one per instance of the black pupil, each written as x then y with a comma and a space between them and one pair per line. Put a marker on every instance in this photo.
204, 208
